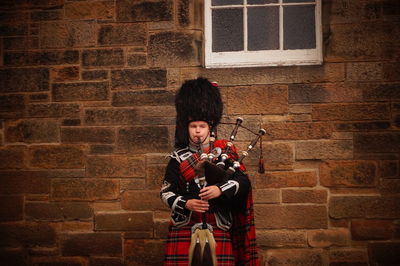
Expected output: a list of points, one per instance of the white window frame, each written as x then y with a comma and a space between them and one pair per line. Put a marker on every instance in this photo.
263, 57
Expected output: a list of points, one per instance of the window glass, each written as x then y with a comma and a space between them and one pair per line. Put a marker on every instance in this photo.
255, 2
226, 2
263, 28
299, 27
227, 30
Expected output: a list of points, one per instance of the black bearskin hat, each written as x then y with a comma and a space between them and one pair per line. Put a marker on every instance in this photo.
196, 100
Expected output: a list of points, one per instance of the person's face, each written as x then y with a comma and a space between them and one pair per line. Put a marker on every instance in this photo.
199, 130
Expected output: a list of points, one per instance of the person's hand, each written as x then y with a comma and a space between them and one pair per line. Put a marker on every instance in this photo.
210, 192
197, 205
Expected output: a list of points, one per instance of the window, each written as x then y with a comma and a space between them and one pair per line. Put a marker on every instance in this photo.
240, 33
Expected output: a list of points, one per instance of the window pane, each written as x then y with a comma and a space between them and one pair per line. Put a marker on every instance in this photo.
226, 2
255, 2
297, 1
299, 27
263, 28
227, 30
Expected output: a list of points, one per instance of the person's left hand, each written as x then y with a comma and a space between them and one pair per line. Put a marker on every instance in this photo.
210, 192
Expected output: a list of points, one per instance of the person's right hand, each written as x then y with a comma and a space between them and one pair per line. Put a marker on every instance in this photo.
197, 205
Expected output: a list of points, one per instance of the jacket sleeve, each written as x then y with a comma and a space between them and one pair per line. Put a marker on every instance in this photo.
237, 185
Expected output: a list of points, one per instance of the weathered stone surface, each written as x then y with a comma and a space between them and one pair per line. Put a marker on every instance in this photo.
27, 235
138, 79
115, 166
180, 48
364, 71
41, 58
390, 186
328, 238
258, 100
87, 135
324, 93
90, 10
123, 34
63, 34
161, 228
104, 261
84, 189
53, 110
362, 126
33, 131
154, 176
278, 156
364, 207
11, 208
54, 211
108, 116
324, 149
103, 57
297, 131
290, 217
101, 149
47, 15
94, 74
303, 257
348, 174
286, 179
389, 169
13, 257
124, 221
146, 97
142, 200
138, 11
381, 92
63, 156
24, 80
377, 142
71, 122
133, 184
381, 253
13, 29
143, 139
12, 157
87, 91
11, 103
344, 256
343, 112
371, 229
70, 73
281, 238
144, 252
137, 60
20, 43
22, 181
50, 259
304, 196
89, 244
266, 196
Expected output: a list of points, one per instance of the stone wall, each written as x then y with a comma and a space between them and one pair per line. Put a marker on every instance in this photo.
87, 116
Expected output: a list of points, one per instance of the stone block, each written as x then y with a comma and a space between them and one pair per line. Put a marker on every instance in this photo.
286, 179
124, 221
178, 47
94, 74
47, 15
384, 253
27, 234
348, 255
25, 182
40, 58
103, 57
138, 79
139, 98
20, 43
362, 229
290, 217
364, 71
362, 126
24, 80
104, 261
13, 257
304, 196
377, 142
364, 207
123, 34
300, 256
266, 196
137, 60
87, 189
297, 131
324, 149
71, 122
348, 174
281, 238
12, 103
67, 34
13, 29
40, 97
57, 157
154, 176
88, 91
53, 110
115, 166
381, 92
133, 184
12, 157
32, 131
91, 244
143, 139
11, 208
55, 211
272, 99
343, 112
87, 135
111, 116
328, 238
390, 186
388, 169
278, 156
144, 252
69, 73
85, 10
140, 11
101, 149
148, 200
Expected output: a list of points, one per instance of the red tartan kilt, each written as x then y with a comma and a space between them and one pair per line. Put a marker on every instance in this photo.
178, 243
